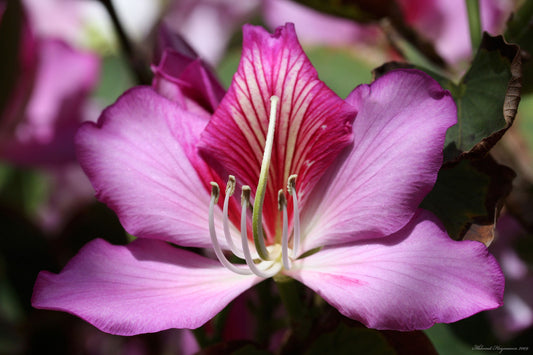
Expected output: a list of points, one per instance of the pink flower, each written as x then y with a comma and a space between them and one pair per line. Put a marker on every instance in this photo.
349, 226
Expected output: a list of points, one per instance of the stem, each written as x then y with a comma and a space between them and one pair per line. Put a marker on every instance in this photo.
474, 22
136, 64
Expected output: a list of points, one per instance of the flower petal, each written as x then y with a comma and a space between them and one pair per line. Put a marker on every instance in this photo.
142, 162
411, 280
379, 182
180, 74
312, 127
144, 287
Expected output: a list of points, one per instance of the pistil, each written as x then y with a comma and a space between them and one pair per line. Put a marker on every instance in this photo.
257, 218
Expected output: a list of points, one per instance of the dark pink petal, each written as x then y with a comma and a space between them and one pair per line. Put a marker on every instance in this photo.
180, 74
179, 77
144, 287
312, 127
378, 183
411, 280
142, 162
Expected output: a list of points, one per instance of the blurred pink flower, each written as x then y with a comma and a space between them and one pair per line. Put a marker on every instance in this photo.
317, 28
445, 23
517, 311
48, 102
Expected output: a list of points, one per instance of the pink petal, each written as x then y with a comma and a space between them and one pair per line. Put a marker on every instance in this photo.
142, 162
411, 280
180, 75
377, 184
144, 287
313, 124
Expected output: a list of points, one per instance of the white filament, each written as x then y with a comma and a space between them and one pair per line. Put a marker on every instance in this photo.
296, 216
285, 232
218, 251
230, 188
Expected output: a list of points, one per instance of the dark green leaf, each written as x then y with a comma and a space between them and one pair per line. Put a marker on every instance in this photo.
487, 99
468, 193
458, 196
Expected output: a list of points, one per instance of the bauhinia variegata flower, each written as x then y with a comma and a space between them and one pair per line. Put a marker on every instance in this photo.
287, 177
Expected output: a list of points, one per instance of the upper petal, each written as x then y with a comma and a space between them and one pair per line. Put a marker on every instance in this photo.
144, 287
142, 161
377, 184
312, 127
411, 280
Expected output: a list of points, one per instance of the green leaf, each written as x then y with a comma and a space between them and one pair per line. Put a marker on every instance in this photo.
348, 340
469, 193
458, 196
487, 99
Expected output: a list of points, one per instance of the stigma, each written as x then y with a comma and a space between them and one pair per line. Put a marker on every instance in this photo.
257, 258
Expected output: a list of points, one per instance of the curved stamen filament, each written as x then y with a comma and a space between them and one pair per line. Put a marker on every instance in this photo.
257, 215
230, 189
282, 205
245, 200
215, 191
296, 215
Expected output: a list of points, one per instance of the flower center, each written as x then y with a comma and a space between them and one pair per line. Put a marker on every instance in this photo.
267, 261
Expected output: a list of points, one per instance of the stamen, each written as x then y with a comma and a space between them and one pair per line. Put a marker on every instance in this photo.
282, 205
257, 222
230, 189
291, 187
215, 192
245, 200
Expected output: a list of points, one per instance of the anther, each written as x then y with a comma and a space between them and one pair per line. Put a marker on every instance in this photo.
215, 192
291, 187
282, 206
230, 189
